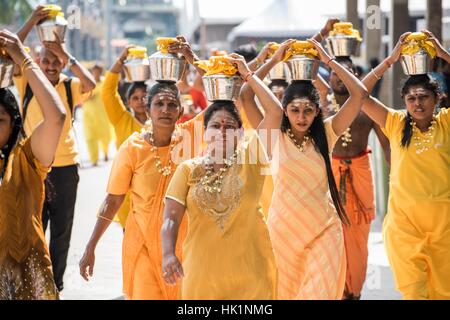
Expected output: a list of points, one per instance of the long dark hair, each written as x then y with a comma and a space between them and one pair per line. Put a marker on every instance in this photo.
426, 82
305, 89
9, 103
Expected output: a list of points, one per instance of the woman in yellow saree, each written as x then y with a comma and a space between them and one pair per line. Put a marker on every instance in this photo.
227, 252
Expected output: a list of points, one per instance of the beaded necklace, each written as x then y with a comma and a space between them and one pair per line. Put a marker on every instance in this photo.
212, 181
301, 146
422, 144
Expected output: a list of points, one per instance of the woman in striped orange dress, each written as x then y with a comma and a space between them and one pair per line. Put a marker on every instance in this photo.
305, 217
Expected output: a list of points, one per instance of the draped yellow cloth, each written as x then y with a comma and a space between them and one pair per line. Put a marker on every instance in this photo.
305, 229
416, 229
134, 171
227, 251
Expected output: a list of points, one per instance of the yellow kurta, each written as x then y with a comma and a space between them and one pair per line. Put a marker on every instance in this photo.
305, 229
123, 122
229, 258
66, 152
97, 129
416, 228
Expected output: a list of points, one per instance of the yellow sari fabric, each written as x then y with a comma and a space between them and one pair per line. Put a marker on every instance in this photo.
416, 229
229, 257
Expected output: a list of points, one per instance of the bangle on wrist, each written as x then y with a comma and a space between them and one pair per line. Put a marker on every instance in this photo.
248, 76
104, 218
27, 64
321, 35
376, 76
329, 61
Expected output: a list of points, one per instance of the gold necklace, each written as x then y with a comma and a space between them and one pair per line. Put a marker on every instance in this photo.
300, 146
212, 181
422, 144
164, 170
346, 136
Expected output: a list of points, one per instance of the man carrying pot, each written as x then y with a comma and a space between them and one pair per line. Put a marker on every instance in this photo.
62, 181
353, 173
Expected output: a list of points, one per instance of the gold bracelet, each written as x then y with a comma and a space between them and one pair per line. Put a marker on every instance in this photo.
104, 218
25, 62
376, 76
30, 66
321, 36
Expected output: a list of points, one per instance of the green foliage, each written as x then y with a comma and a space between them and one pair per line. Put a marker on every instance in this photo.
11, 11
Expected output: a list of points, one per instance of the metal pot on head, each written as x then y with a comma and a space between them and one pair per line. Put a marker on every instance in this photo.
343, 46
54, 23
167, 67
279, 72
302, 67
418, 63
137, 66
222, 87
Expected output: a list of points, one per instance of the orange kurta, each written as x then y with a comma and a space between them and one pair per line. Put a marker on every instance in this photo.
354, 180
305, 229
25, 266
134, 170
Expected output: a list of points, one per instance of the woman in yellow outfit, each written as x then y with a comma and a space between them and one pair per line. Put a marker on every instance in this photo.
123, 121
227, 252
143, 167
97, 129
416, 228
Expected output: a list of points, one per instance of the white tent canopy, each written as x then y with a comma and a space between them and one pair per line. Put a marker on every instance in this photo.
295, 18
286, 18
